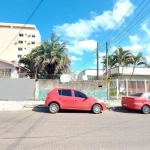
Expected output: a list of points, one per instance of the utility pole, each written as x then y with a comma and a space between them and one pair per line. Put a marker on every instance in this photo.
97, 61
107, 71
106, 59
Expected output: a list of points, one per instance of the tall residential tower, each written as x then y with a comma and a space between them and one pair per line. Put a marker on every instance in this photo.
17, 40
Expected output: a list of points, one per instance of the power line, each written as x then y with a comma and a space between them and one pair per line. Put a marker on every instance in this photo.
83, 64
134, 22
23, 26
129, 24
132, 31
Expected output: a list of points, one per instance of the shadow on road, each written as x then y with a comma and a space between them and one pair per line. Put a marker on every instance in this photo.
123, 110
43, 109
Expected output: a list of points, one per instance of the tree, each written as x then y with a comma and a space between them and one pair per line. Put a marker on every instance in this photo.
121, 57
111, 61
49, 58
137, 61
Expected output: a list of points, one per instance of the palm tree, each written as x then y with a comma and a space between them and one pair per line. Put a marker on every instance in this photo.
121, 57
50, 57
137, 61
111, 61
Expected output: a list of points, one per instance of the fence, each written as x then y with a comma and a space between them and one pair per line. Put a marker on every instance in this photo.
118, 88
25, 89
17, 89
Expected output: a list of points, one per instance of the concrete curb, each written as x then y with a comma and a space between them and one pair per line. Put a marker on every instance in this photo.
30, 104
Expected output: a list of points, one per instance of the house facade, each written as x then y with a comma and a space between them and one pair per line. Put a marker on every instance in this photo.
17, 40
12, 70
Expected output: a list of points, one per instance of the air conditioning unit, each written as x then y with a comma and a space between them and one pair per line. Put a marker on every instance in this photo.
15, 42
29, 35
28, 43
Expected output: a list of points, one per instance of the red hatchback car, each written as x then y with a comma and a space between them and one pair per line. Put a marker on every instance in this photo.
72, 99
137, 101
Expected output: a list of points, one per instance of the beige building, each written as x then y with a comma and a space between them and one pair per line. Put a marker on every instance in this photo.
17, 40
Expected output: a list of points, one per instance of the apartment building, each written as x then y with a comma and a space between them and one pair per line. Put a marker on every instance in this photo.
17, 40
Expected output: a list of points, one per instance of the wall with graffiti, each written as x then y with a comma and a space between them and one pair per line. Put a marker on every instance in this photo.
94, 88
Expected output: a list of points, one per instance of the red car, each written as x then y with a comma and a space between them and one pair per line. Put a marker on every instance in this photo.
137, 101
72, 99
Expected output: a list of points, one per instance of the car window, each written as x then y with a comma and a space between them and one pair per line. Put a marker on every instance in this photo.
79, 94
136, 94
65, 92
148, 96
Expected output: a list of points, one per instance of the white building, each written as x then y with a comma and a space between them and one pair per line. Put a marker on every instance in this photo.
139, 73
89, 74
17, 40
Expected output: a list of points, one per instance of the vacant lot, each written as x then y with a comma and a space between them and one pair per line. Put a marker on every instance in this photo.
70, 130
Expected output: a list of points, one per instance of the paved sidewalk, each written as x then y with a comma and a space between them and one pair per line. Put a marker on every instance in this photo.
19, 105
23, 105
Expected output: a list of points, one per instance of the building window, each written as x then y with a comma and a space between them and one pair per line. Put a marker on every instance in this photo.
20, 42
5, 73
21, 35
32, 42
19, 49
33, 35
19, 56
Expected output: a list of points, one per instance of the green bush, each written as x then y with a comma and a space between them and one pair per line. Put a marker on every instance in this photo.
113, 91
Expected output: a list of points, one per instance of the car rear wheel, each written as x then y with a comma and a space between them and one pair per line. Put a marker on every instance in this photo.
96, 109
145, 109
53, 108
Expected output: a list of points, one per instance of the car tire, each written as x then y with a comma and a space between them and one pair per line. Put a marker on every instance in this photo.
96, 109
145, 109
53, 108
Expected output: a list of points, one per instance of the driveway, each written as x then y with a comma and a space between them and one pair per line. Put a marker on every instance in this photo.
74, 130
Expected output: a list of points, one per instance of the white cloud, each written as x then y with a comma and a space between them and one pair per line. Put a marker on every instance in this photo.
134, 39
147, 47
102, 54
147, 58
80, 46
73, 58
145, 28
83, 29
134, 48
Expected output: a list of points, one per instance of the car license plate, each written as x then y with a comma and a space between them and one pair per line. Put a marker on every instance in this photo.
124, 104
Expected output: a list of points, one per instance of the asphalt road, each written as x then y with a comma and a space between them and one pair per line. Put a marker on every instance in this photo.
70, 130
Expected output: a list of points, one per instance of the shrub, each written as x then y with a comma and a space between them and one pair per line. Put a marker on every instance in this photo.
113, 91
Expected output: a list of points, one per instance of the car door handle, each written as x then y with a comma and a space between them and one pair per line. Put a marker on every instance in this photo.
75, 100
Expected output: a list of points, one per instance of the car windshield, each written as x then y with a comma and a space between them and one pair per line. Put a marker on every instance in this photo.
136, 94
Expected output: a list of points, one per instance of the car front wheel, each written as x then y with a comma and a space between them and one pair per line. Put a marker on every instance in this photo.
96, 109
53, 108
145, 109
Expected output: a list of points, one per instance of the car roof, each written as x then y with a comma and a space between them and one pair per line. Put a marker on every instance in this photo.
59, 88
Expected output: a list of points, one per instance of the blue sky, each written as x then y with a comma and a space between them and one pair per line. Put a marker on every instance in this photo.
82, 23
